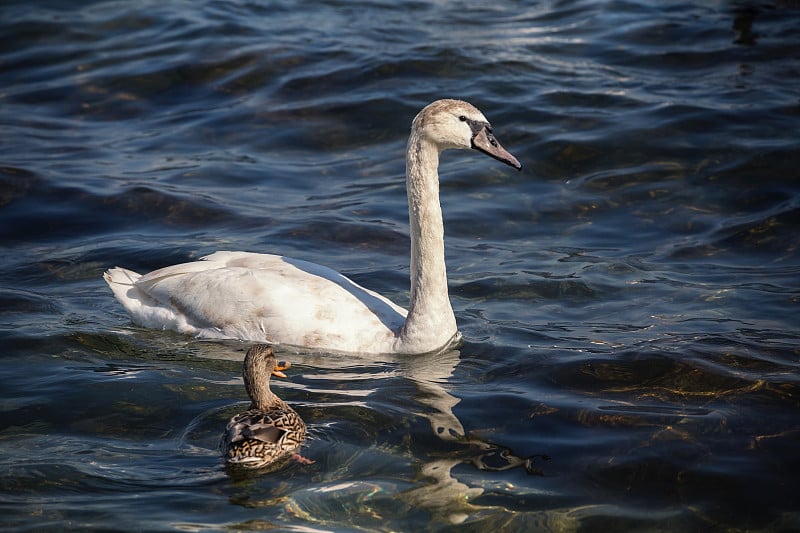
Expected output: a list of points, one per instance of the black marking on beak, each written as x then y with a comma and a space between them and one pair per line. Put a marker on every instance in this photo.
484, 141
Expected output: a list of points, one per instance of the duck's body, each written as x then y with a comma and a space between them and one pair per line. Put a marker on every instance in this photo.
270, 298
270, 430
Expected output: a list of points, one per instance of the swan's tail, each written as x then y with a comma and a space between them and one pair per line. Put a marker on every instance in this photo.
121, 280
121, 275
123, 284
143, 309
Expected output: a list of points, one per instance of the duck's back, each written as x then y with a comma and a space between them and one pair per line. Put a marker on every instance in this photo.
255, 438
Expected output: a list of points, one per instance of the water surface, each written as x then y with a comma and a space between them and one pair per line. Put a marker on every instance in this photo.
629, 301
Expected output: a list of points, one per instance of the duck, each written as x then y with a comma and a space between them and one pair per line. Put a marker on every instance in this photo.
270, 430
282, 300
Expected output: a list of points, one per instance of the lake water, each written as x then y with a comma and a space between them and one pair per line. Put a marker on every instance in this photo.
630, 301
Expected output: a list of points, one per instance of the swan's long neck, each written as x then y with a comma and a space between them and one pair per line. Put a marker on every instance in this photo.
430, 323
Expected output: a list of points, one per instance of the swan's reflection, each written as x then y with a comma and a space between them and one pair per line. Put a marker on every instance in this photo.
430, 373
445, 497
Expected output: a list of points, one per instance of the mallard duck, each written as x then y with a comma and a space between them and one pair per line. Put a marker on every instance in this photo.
270, 430
277, 299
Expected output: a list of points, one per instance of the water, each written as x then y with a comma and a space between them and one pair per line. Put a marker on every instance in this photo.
629, 301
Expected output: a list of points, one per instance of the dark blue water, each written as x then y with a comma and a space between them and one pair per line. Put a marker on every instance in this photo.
630, 301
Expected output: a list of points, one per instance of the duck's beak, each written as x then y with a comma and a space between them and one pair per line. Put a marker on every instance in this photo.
279, 367
483, 140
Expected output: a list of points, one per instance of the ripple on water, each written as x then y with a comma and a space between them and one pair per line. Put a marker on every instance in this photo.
628, 300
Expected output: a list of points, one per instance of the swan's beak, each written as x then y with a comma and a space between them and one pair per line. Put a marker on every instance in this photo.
279, 366
484, 141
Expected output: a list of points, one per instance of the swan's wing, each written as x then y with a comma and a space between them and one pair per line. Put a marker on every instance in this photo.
267, 297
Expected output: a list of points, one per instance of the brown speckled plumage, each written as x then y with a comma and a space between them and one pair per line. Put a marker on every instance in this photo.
270, 430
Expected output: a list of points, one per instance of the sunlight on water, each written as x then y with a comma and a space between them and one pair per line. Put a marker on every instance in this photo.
628, 301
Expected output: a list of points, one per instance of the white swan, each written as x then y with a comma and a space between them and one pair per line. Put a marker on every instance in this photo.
271, 298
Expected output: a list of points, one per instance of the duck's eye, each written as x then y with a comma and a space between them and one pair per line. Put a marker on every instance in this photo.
462, 118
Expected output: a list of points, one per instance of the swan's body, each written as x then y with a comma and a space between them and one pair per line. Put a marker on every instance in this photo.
270, 430
270, 298
263, 298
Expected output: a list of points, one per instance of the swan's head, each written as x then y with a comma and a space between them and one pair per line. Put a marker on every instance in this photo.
459, 124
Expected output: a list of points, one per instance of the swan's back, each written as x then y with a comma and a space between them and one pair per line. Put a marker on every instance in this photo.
263, 298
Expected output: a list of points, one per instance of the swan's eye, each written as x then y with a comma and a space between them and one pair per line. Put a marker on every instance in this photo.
462, 118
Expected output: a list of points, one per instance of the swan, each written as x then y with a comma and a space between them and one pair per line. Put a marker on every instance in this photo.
280, 300
269, 430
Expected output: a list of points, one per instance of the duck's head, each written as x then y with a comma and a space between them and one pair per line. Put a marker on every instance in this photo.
261, 358
459, 124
